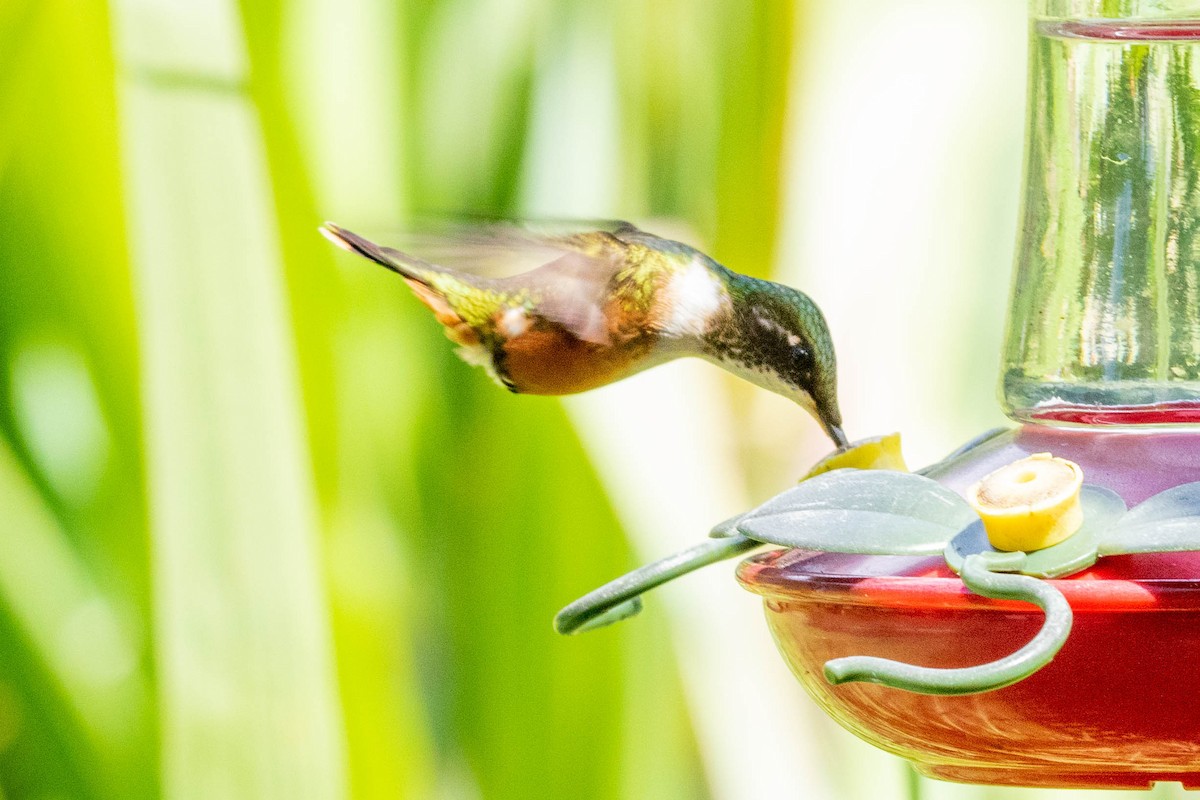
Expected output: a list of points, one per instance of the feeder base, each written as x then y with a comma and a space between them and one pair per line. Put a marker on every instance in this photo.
1037, 778
1116, 707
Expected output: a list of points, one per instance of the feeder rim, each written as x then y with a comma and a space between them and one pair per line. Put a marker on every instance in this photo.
1089, 590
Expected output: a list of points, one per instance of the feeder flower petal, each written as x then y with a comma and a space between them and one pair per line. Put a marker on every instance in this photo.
878, 452
1030, 504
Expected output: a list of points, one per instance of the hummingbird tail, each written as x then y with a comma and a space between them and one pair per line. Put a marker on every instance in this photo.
426, 281
401, 263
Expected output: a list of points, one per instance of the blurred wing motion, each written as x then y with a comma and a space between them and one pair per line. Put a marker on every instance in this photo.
498, 249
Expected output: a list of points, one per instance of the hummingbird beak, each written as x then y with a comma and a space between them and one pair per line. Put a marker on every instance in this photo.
831, 420
821, 413
838, 436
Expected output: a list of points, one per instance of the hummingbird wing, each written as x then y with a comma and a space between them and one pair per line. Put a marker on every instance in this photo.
572, 292
497, 248
587, 287
563, 273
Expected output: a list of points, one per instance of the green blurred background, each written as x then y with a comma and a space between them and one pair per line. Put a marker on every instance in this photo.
267, 538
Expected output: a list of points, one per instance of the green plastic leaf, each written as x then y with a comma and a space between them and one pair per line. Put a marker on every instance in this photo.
977, 574
866, 532
1101, 508
861, 511
618, 599
729, 527
630, 608
1172, 536
1167, 522
988, 437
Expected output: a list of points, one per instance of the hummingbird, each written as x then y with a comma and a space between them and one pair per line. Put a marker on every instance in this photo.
606, 303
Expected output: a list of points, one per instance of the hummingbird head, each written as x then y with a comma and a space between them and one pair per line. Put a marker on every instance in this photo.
776, 337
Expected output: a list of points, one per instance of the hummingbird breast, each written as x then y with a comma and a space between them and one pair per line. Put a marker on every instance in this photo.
570, 344
548, 359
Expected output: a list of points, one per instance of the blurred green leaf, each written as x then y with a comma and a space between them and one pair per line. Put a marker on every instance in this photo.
77, 671
1168, 521
249, 703
75, 692
342, 368
756, 41
514, 523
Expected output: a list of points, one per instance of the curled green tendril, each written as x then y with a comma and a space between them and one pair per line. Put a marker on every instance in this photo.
985, 677
617, 599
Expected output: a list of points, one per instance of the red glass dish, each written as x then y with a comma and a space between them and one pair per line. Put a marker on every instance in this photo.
1118, 705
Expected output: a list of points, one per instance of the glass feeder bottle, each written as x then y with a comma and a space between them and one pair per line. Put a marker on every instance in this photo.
1104, 319
1101, 365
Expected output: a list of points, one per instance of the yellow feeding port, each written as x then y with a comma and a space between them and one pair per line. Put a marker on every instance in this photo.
1030, 504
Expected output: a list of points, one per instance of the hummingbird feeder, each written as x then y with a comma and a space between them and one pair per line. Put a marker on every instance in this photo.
1027, 611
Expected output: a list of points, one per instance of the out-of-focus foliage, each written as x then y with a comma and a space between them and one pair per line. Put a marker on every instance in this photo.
265, 537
